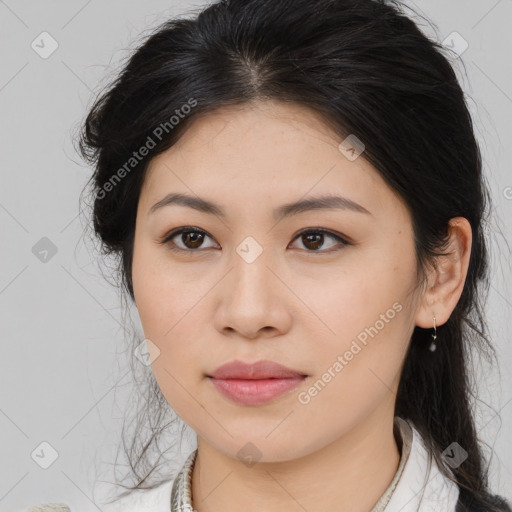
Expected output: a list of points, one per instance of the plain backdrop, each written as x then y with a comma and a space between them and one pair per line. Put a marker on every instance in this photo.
61, 321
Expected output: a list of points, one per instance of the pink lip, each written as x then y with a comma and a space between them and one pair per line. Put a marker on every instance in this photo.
254, 384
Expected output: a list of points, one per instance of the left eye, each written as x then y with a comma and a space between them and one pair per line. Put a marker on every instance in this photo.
192, 238
315, 239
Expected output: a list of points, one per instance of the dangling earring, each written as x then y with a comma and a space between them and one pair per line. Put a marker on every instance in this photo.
434, 336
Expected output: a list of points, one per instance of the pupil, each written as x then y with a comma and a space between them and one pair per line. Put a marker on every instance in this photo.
196, 240
319, 237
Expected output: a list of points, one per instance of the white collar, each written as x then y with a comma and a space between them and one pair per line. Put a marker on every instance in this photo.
422, 487
419, 489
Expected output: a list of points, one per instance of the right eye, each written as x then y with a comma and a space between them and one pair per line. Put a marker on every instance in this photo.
191, 238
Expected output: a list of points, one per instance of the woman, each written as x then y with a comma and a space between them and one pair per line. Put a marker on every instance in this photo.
295, 195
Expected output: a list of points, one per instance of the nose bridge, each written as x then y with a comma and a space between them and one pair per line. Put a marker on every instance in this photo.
251, 298
250, 273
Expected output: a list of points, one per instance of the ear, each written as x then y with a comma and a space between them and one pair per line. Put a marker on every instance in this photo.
446, 281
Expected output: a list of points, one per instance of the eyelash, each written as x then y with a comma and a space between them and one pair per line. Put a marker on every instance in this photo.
190, 229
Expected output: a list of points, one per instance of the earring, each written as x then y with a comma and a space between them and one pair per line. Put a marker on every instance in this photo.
434, 336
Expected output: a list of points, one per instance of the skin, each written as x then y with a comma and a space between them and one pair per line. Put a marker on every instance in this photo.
293, 305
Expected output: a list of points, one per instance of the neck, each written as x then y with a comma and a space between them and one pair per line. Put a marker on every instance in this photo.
351, 473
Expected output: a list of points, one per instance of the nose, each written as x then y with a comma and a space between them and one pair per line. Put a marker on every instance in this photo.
252, 300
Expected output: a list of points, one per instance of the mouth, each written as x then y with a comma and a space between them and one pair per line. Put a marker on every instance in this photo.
254, 384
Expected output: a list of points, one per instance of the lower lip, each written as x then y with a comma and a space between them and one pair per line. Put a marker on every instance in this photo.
257, 391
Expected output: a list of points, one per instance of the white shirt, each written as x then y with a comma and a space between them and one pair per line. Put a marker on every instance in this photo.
415, 488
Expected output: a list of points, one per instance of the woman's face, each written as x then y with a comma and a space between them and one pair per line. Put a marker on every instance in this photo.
247, 286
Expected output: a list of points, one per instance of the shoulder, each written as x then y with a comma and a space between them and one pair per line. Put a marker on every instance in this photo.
151, 500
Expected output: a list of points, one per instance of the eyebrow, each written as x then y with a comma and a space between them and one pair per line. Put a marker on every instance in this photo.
323, 202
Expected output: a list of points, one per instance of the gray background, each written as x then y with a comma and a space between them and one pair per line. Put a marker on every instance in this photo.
61, 335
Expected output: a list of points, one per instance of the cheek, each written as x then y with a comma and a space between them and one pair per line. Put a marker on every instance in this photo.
367, 282
366, 320
349, 302
170, 311
359, 369
157, 294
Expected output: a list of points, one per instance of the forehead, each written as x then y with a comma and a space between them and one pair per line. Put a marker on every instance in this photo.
264, 151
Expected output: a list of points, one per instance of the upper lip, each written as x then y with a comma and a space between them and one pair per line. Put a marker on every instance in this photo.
258, 370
